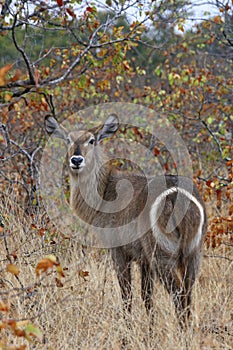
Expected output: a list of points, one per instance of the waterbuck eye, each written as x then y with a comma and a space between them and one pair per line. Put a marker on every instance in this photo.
91, 141
69, 141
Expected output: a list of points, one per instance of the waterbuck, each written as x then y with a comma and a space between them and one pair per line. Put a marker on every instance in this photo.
165, 220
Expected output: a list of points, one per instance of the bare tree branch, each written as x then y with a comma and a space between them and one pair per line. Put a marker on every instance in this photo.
23, 53
6, 8
210, 131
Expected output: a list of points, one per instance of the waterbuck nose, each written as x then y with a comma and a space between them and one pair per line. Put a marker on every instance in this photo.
76, 162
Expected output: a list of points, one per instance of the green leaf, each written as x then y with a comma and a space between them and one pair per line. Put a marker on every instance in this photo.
210, 120
82, 82
171, 78
157, 71
33, 331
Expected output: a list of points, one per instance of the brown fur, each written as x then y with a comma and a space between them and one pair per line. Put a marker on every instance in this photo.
174, 257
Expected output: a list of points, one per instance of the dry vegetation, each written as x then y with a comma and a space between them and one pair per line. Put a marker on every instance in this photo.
83, 310
55, 63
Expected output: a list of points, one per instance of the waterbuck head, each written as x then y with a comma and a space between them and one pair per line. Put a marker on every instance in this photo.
82, 145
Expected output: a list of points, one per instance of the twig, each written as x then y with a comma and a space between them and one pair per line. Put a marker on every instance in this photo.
9, 256
210, 131
14, 181
218, 257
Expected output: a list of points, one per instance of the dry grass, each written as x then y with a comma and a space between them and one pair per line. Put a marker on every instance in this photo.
86, 312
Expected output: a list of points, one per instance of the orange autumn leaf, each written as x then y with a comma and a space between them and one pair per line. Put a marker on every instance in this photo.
60, 271
16, 76
4, 307
12, 268
126, 65
36, 77
2, 326
217, 19
229, 162
45, 264
19, 332
41, 231
8, 97
3, 72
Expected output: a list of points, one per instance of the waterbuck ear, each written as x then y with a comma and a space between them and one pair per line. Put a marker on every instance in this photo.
110, 127
52, 127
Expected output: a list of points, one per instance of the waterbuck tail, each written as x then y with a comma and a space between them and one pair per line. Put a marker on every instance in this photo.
177, 219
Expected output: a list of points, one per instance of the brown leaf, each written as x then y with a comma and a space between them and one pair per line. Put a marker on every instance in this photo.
156, 151
19, 332
89, 9
83, 274
138, 132
219, 196
71, 13
230, 211
58, 282
12, 269
60, 3
210, 183
41, 231
14, 255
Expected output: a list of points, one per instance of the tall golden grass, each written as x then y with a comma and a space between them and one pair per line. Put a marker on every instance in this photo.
83, 310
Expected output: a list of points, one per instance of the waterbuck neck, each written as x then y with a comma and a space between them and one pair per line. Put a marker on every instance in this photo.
87, 190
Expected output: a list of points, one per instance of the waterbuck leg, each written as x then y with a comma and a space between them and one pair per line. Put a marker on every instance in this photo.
124, 278
174, 286
122, 266
147, 285
189, 272
176, 290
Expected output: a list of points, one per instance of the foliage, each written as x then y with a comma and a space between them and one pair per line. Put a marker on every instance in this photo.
58, 57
